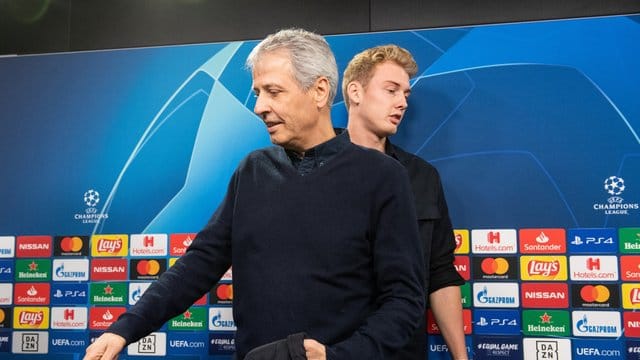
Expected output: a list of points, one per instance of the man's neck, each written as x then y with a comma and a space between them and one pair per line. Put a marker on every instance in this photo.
364, 137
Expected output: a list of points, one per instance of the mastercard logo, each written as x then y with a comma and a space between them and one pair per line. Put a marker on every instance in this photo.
597, 293
494, 266
2, 316
71, 244
148, 267
225, 292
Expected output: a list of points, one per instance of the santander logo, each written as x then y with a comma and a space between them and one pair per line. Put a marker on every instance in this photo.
543, 268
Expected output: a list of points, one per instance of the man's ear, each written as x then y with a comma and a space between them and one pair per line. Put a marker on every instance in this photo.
354, 92
321, 89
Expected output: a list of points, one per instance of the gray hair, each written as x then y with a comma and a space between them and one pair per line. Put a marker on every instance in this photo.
311, 57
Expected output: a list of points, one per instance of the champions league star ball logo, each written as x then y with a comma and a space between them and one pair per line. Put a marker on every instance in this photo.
91, 198
614, 185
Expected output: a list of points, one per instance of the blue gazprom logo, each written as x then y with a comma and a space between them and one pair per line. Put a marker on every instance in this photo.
603, 240
597, 349
506, 322
61, 273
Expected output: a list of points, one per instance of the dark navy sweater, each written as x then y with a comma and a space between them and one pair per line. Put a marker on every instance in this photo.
334, 253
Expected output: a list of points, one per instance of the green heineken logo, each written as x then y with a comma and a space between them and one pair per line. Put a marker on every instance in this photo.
33, 270
465, 293
192, 319
629, 240
545, 322
108, 293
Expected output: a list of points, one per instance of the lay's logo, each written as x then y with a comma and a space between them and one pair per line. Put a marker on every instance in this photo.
543, 268
31, 317
109, 245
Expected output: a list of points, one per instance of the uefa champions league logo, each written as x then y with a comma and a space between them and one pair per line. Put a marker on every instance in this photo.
91, 198
614, 185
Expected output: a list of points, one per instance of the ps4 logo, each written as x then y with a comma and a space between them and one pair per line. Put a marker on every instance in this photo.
496, 322
577, 240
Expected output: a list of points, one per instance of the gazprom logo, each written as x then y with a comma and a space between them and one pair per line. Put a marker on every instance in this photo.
496, 295
221, 319
67, 270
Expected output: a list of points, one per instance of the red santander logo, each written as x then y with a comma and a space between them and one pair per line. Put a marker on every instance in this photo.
178, 243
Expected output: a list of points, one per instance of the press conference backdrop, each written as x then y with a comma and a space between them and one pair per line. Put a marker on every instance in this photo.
113, 160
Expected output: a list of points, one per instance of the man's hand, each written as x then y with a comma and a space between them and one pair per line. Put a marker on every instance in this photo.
314, 350
106, 347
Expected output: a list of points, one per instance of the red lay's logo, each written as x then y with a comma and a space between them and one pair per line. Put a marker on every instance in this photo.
33, 246
31, 318
109, 246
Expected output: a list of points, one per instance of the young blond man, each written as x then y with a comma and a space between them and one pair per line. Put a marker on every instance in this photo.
376, 88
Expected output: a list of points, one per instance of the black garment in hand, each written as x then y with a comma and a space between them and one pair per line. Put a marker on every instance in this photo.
291, 348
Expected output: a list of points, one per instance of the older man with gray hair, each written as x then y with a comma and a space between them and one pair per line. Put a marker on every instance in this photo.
321, 232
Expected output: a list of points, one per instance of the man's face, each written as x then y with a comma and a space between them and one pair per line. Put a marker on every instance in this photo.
289, 112
384, 100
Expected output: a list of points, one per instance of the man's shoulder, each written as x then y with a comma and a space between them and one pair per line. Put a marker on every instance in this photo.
413, 163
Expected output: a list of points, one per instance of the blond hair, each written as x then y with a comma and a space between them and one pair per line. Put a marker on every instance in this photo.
362, 66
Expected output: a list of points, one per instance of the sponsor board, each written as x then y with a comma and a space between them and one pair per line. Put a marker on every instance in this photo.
136, 290
68, 342
461, 237
546, 349
195, 318
222, 343
7, 246
71, 245
147, 269
69, 318
596, 323
595, 296
546, 322
6, 294
496, 322
596, 240
30, 342
35, 246
463, 267
631, 321
545, 295
221, 319
495, 268
543, 268
596, 349
543, 241
629, 240
497, 347
154, 344
31, 293
112, 245
70, 270
30, 317
108, 269
594, 268
109, 293
148, 245
494, 241
432, 326
178, 243
496, 295
33, 270
187, 343
7, 268
630, 267
68, 294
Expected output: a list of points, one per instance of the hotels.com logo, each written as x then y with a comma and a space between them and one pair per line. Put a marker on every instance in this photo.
598, 268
